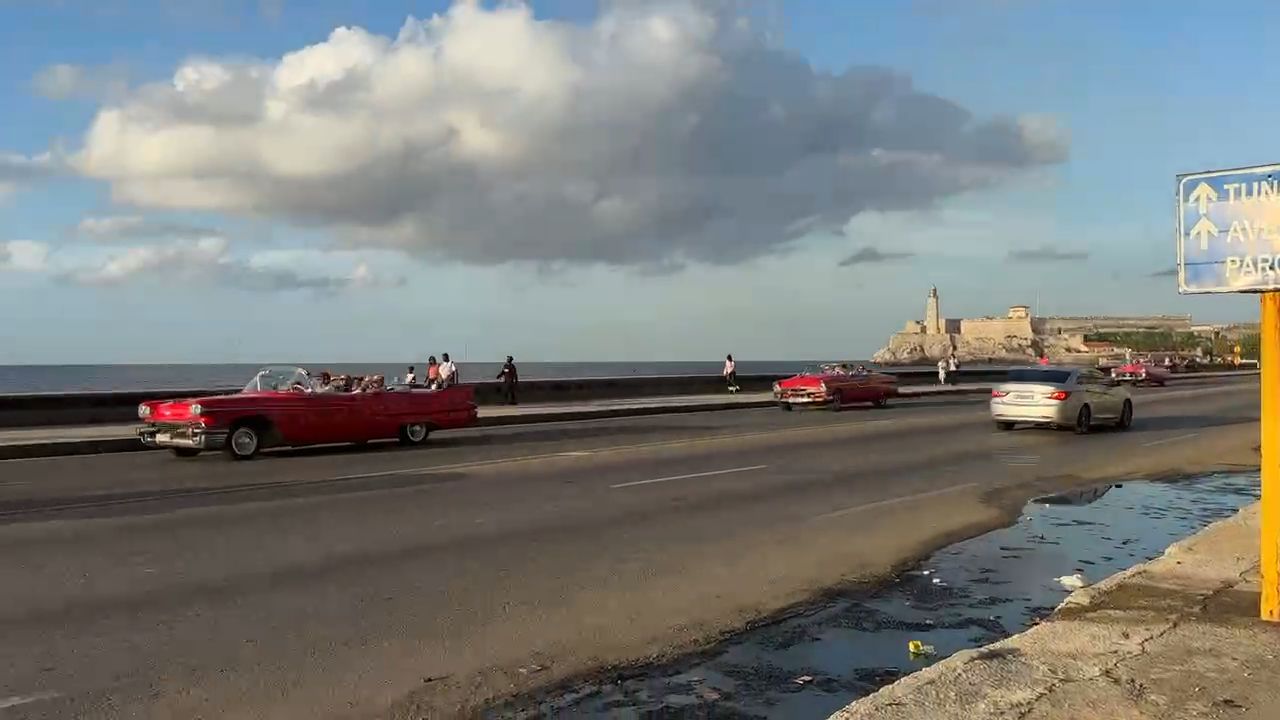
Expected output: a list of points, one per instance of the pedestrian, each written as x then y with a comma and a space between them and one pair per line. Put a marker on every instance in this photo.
433, 373
942, 371
952, 366
448, 371
730, 373
510, 377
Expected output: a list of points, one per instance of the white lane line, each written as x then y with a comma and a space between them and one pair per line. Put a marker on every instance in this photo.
1188, 436
689, 476
17, 700
894, 501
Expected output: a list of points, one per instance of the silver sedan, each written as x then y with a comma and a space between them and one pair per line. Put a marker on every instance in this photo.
1078, 398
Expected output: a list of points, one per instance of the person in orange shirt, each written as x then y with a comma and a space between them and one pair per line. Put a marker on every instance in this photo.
433, 373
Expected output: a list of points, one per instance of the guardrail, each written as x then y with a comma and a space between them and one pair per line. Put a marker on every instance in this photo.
88, 408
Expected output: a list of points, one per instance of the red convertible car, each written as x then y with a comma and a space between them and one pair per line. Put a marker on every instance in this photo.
835, 385
1141, 373
286, 407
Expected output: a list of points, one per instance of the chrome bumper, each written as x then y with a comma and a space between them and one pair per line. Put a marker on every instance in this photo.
191, 437
1059, 414
804, 399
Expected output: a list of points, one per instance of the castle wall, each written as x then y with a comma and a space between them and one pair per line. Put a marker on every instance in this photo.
1062, 325
996, 328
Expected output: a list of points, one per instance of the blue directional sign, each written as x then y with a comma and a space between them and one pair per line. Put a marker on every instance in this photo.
1229, 230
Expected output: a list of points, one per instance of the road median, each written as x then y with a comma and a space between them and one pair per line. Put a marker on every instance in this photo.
29, 443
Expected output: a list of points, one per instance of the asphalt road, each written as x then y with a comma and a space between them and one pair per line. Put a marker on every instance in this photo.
374, 582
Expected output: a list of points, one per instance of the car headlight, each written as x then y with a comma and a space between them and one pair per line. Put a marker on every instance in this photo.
144, 411
777, 388
822, 387
195, 409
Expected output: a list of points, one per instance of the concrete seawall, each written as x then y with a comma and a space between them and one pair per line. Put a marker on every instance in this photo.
87, 408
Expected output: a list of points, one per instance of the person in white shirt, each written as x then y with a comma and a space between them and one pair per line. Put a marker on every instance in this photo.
731, 373
410, 377
448, 371
942, 371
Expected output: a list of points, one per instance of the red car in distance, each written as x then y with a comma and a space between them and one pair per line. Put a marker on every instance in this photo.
284, 406
1139, 372
835, 385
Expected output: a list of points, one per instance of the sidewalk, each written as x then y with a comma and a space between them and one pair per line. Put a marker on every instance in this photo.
89, 439
1177, 637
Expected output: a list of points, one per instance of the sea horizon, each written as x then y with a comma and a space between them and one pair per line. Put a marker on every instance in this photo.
85, 377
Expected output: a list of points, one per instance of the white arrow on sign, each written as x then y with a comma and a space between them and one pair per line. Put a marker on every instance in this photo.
1205, 228
1202, 196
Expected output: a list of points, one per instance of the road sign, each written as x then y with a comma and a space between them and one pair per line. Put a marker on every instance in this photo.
1229, 230
1229, 241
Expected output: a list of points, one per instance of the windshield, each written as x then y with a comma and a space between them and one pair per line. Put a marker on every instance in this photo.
830, 369
1051, 377
280, 378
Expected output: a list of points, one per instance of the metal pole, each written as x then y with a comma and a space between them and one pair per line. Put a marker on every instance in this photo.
1269, 361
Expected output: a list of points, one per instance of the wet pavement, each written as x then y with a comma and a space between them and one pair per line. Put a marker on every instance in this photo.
966, 595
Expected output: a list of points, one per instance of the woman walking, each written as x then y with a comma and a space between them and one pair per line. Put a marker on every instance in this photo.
730, 373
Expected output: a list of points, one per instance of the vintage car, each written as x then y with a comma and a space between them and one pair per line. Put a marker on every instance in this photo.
285, 406
835, 385
1139, 372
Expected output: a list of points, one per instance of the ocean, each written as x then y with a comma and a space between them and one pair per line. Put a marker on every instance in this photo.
77, 378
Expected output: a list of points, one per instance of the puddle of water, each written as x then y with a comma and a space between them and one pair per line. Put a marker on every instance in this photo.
969, 594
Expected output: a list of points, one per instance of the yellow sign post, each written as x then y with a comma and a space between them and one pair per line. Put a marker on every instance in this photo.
1269, 364
1227, 222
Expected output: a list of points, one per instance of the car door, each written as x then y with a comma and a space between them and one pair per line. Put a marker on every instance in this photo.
1102, 398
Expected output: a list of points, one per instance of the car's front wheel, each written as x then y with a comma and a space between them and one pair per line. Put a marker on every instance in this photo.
1084, 421
184, 452
785, 406
1126, 416
1004, 426
243, 443
414, 434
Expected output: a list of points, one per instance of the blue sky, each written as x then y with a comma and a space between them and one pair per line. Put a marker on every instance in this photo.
180, 268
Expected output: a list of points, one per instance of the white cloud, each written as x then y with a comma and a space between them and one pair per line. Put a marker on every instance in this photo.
208, 260
113, 228
16, 170
661, 132
65, 81
23, 256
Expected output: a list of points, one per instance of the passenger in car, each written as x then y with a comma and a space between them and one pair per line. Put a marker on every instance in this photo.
433, 373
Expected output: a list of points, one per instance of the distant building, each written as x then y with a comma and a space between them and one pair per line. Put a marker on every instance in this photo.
1018, 333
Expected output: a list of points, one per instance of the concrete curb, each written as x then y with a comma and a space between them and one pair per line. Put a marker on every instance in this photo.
95, 446
1093, 631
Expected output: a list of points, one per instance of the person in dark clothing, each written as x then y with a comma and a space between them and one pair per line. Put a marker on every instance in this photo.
509, 377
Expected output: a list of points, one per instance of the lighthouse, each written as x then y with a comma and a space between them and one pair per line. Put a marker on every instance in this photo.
932, 313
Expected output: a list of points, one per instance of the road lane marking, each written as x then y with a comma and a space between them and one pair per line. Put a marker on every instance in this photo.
893, 501
690, 476
1188, 436
16, 700
562, 455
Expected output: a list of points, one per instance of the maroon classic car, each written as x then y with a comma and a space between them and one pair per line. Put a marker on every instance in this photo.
1141, 372
835, 385
286, 407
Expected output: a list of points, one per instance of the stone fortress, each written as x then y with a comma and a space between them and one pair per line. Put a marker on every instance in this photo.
1014, 338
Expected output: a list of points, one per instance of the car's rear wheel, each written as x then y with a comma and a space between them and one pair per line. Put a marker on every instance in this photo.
244, 442
1005, 426
1126, 416
184, 452
880, 402
414, 434
836, 404
1084, 421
